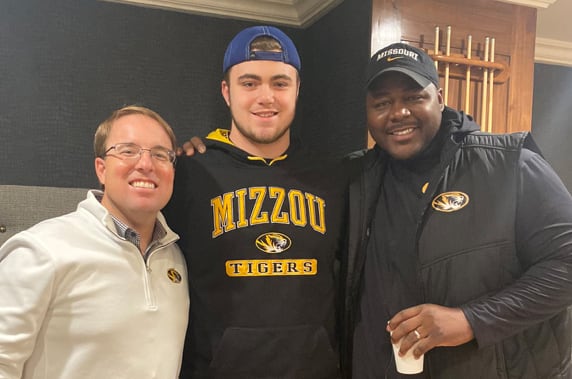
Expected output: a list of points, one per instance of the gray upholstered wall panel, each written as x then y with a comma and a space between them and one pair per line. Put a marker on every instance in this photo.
24, 206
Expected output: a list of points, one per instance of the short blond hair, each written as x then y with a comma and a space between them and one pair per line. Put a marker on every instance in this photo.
104, 129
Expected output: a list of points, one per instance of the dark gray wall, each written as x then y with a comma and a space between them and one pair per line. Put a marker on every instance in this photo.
336, 49
66, 64
551, 120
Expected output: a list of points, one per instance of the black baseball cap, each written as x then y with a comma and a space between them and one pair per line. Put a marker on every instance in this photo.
409, 60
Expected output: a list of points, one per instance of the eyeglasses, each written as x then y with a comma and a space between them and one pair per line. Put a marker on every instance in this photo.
133, 151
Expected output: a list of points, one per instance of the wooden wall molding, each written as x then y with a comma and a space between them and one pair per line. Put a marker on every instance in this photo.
297, 13
531, 3
302, 13
294, 13
551, 51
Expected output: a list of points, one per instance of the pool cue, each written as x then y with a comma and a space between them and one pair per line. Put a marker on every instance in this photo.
447, 53
468, 77
436, 47
491, 88
484, 95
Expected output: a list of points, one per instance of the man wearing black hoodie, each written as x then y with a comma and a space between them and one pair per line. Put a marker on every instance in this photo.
261, 222
460, 241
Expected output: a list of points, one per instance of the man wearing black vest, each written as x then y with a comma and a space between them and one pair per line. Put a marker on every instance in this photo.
460, 241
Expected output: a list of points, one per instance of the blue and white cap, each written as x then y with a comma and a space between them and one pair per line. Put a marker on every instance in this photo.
238, 49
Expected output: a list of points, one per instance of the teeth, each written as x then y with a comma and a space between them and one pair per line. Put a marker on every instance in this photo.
403, 132
142, 184
269, 114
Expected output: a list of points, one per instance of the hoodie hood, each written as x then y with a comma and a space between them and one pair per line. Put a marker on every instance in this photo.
219, 139
458, 123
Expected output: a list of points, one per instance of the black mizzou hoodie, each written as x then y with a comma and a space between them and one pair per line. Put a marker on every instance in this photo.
261, 238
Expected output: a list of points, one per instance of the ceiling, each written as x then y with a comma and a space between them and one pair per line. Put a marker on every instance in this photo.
553, 34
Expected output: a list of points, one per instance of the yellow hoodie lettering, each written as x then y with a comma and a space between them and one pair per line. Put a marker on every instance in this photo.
267, 205
271, 267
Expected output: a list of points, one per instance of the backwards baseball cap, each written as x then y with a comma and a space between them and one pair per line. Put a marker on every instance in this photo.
238, 49
409, 60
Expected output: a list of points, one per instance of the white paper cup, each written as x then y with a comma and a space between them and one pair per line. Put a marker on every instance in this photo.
407, 364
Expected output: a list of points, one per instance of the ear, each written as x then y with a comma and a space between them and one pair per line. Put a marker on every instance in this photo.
100, 170
298, 89
225, 91
440, 99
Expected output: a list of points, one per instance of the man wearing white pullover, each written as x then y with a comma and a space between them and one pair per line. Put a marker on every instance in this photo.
101, 292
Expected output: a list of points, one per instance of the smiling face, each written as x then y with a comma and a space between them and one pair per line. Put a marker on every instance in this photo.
262, 98
402, 117
135, 189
